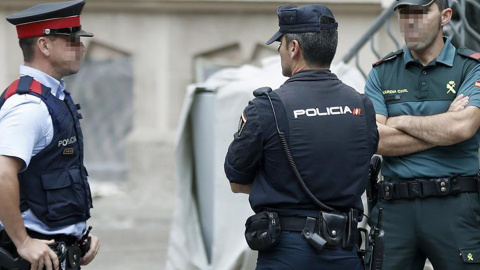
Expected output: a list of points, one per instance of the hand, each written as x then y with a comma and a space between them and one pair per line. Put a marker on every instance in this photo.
39, 254
92, 252
458, 103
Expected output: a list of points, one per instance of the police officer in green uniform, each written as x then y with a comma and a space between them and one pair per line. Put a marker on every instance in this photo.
427, 99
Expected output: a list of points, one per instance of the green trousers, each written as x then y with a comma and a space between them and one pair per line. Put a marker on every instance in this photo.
446, 230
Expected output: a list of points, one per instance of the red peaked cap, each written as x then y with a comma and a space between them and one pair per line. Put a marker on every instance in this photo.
61, 18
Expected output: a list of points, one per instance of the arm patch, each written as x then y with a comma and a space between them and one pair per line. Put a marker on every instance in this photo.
241, 123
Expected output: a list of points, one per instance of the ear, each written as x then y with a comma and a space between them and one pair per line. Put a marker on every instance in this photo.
446, 16
44, 45
295, 49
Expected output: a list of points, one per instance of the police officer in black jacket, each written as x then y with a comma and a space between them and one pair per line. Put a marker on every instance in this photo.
329, 135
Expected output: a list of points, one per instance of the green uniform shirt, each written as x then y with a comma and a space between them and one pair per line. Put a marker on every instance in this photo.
401, 85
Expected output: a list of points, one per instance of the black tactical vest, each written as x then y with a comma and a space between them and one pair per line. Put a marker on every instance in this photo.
54, 186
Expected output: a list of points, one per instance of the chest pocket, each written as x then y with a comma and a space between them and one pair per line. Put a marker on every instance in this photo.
437, 83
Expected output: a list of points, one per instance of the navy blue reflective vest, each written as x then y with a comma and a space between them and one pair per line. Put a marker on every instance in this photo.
54, 186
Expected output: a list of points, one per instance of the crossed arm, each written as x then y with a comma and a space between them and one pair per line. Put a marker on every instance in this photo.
402, 135
394, 142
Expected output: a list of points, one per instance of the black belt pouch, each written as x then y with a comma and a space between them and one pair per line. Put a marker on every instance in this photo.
332, 227
262, 231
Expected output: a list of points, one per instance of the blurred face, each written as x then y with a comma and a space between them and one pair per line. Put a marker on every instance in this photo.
67, 54
420, 26
285, 57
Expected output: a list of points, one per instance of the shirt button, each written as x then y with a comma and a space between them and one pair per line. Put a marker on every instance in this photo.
423, 83
424, 72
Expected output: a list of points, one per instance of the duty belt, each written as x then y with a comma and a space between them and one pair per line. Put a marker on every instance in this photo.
330, 230
293, 224
69, 250
397, 188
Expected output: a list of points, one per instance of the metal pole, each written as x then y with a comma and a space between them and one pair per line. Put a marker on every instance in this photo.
385, 15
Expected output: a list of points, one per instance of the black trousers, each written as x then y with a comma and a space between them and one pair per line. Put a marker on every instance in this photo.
294, 252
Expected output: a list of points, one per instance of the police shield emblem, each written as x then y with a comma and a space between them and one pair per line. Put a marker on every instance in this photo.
241, 123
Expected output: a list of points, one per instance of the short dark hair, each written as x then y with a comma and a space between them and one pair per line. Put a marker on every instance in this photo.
28, 47
318, 48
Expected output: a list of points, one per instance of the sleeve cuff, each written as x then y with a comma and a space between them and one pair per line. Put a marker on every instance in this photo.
238, 177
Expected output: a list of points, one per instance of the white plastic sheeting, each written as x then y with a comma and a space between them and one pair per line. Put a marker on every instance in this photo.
233, 89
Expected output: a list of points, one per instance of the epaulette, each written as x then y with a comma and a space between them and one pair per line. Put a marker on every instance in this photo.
388, 57
262, 91
24, 85
469, 53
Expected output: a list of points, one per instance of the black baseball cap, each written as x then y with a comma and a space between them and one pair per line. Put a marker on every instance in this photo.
302, 19
60, 18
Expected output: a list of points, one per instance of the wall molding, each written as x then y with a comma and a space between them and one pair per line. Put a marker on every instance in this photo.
202, 6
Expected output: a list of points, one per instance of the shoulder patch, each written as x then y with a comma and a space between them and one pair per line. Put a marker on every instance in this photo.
241, 123
469, 54
388, 57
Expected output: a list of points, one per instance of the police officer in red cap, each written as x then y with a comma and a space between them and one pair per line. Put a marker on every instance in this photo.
302, 153
45, 197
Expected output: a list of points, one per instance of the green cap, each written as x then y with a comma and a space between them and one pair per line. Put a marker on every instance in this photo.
423, 3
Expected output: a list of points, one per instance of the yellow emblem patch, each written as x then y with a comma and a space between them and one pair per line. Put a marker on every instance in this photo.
68, 151
470, 256
451, 87
394, 91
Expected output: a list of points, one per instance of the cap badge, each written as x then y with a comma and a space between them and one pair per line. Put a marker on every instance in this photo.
289, 16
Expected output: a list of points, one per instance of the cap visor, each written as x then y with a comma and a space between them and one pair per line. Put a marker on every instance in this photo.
83, 33
401, 5
274, 38
412, 3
